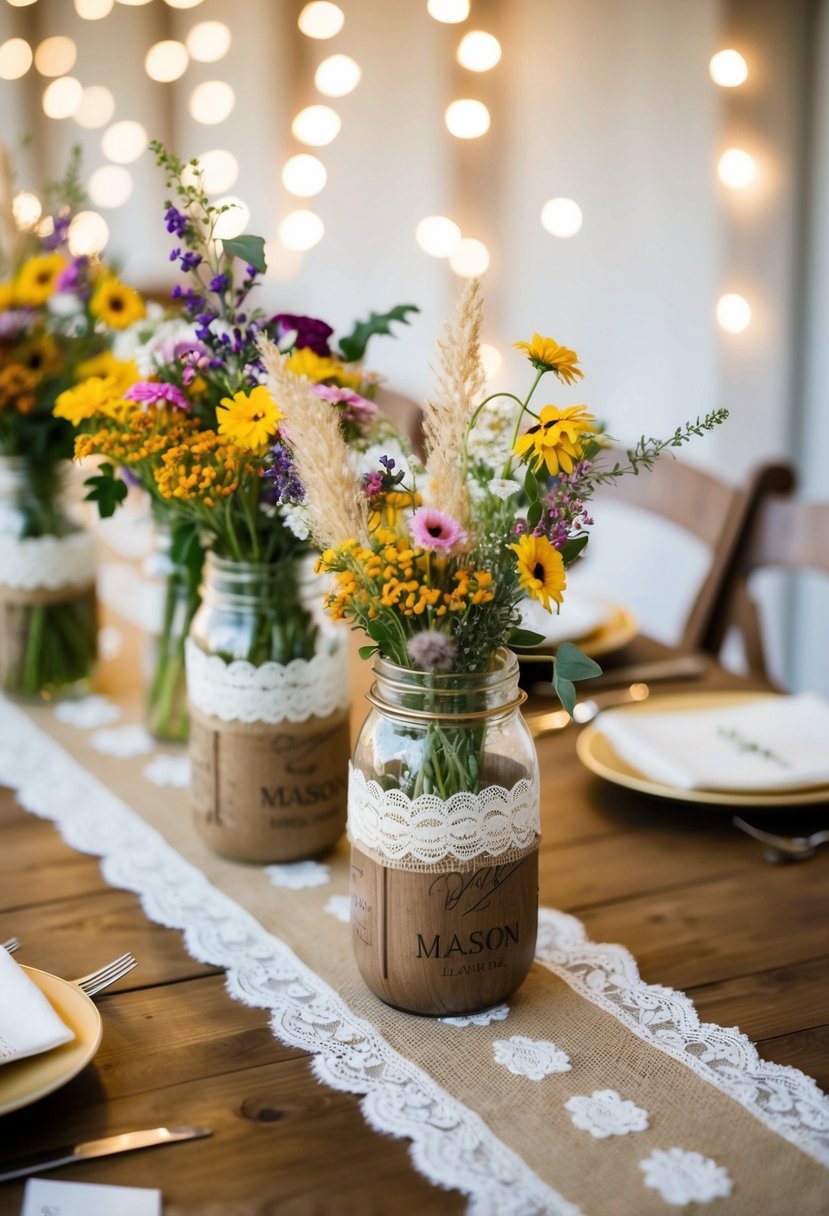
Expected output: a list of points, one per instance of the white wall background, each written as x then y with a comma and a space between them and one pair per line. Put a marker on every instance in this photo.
605, 101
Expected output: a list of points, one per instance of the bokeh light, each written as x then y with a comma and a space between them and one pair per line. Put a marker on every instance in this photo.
124, 141
97, 107
479, 51
26, 210
737, 169
470, 258
733, 313
88, 234
337, 75
467, 119
321, 19
15, 58
62, 97
438, 236
166, 61
316, 126
212, 102
304, 175
492, 360
208, 41
562, 217
728, 68
233, 222
110, 186
451, 12
93, 10
301, 230
55, 56
219, 170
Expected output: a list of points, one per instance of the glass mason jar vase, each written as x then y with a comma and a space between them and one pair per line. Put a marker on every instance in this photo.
177, 585
269, 726
443, 819
48, 616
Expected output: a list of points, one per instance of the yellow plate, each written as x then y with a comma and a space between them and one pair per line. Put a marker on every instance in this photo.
620, 628
27, 1080
597, 754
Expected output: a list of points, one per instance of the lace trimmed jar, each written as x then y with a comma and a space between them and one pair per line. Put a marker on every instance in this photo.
177, 586
48, 616
443, 819
269, 728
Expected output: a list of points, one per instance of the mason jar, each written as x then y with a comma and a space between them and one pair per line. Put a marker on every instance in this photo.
269, 728
48, 613
443, 820
176, 601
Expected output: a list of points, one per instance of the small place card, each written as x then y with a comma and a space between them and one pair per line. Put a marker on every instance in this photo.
43, 1198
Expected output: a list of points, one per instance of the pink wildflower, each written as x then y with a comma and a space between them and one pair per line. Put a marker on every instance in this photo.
155, 393
433, 530
356, 409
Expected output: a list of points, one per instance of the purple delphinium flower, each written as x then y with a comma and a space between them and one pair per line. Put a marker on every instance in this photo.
71, 277
220, 283
175, 221
432, 650
356, 409
434, 530
372, 484
310, 331
59, 233
388, 463
151, 393
281, 484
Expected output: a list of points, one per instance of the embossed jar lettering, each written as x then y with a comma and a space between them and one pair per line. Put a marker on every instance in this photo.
444, 890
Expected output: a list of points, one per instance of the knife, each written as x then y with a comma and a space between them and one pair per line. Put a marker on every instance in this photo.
125, 1143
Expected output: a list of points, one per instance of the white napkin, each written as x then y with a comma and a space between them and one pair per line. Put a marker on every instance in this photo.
776, 743
581, 614
28, 1023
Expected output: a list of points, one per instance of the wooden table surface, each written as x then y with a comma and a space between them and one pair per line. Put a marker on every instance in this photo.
688, 895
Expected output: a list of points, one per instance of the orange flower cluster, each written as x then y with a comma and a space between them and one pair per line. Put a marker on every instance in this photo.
202, 468
18, 386
136, 435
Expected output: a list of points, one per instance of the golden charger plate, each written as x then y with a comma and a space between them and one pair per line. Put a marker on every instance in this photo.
597, 754
620, 628
25, 1081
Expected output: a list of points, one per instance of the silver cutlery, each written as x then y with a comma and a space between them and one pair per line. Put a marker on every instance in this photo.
584, 711
683, 667
96, 981
11, 945
125, 1143
783, 848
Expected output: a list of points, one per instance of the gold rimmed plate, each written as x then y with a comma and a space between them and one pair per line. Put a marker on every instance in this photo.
618, 629
597, 754
25, 1081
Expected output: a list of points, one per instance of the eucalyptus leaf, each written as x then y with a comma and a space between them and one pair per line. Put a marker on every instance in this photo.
523, 638
531, 486
565, 690
573, 664
534, 514
250, 249
573, 547
353, 346
367, 651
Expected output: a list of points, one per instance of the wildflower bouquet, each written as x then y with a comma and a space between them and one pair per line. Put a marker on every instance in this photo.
433, 564
59, 315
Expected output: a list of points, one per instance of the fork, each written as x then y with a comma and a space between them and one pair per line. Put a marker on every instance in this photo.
783, 848
96, 981
11, 945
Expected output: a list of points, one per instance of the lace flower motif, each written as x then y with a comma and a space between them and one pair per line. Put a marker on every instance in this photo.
88, 712
683, 1177
123, 741
605, 1114
533, 1058
299, 875
173, 771
339, 906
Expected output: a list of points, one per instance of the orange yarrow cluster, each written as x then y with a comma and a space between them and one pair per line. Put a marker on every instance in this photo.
135, 435
204, 468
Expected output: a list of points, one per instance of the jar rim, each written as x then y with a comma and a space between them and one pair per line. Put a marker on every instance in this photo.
412, 678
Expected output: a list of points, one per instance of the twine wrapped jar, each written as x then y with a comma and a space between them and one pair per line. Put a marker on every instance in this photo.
443, 819
48, 614
269, 728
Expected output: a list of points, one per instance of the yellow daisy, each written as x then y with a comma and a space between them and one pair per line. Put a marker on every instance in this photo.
556, 440
36, 280
306, 362
6, 296
116, 304
548, 356
249, 419
123, 371
41, 355
540, 570
97, 395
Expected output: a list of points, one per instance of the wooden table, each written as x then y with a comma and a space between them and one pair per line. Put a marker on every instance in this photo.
691, 897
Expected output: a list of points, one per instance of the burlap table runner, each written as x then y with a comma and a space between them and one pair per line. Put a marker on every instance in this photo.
769, 1174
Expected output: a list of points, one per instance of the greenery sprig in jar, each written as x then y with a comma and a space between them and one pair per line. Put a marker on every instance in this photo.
432, 565
266, 674
59, 312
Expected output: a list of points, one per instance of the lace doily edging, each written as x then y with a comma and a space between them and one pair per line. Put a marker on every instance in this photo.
784, 1099
449, 1143
48, 562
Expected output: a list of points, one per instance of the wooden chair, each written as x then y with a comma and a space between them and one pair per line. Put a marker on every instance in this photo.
782, 532
406, 415
709, 509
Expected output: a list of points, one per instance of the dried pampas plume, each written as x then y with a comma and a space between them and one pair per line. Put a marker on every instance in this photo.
460, 379
333, 492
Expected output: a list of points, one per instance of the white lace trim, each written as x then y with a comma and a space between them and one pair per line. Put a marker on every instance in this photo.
122, 741
498, 1013
273, 692
431, 829
783, 1098
47, 562
450, 1144
605, 1113
681, 1177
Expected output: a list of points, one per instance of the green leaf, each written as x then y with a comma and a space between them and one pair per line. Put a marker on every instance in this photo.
367, 651
565, 690
353, 346
572, 664
525, 638
531, 486
573, 547
250, 249
106, 490
186, 550
534, 514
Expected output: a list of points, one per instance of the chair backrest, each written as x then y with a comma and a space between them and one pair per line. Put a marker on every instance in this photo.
711, 510
406, 415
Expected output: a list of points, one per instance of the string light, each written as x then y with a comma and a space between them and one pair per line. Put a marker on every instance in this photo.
470, 258
492, 360
26, 210
110, 186
233, 222
321, 20
467, 119
304, 175
183, 3
166, 61
562, 217
15, 58
208, 41
20, 3
316, 126
479, 51
62, 97
93, 10
301, 230
737, 169
55, 56
88, 234
733, 313
97, 107
450, 12
211, 102
438, 236
337, 76
124, 142
728, 68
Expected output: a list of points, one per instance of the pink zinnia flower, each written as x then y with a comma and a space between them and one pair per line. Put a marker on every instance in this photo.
433, 530
356, 409
154, 393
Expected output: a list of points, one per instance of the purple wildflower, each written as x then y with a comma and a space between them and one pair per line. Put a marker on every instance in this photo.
71, 277
432, 650
151, 393
310, 331
372, 484
387, 462
175, 221
281, 482
14, 322
59, 233
219, 283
